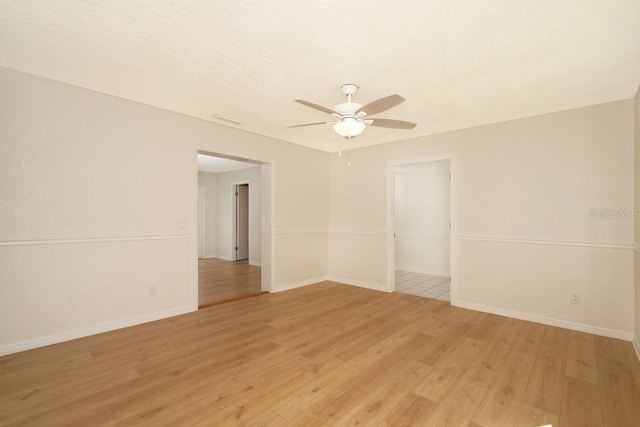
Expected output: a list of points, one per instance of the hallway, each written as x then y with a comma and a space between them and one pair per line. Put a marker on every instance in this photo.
220, 281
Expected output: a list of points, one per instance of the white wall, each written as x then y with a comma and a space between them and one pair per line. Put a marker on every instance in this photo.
524, 193
98, 202
210, 183
224, 210
422, 218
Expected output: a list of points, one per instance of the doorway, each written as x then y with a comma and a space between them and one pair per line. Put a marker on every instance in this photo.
421, 246
233, 230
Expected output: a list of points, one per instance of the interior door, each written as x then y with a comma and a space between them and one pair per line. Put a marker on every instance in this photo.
242, 222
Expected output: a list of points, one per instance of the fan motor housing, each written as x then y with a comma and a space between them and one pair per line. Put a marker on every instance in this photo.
347, 108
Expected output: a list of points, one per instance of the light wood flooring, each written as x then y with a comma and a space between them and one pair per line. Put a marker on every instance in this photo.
327, 354
220, 281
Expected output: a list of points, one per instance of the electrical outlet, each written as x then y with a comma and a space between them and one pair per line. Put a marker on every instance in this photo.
180, 223
574, 298
153, 291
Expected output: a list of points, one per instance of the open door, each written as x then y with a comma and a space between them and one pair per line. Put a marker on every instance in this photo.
242, 222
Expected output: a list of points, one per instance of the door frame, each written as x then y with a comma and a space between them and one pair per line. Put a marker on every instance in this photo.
453, 213
266, 226
234, 220
202, 221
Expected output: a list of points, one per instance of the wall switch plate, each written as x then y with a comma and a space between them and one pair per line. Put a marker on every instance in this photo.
574, 298
153, 291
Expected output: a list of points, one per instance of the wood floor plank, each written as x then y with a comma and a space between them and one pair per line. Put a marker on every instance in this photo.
460, 403
323, 355
620, 398
502, 401
323, 386
444, 375
530, 339
267, 418
509, 331
484, 367
544, 389
387, 392
61, 417
634, 364
581, 357
458, 406
40, 399
413, 410
581, 404
529, 416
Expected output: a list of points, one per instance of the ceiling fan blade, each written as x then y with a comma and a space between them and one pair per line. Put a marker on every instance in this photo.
382, 104
308, 124
315, 106
393, 124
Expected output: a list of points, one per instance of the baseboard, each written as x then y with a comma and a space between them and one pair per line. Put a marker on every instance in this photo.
636, 346
358, 283
255, 263
596, 330
298, 284
225, 258
92, 330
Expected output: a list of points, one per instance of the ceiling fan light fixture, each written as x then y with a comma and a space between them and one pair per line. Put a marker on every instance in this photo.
349, 127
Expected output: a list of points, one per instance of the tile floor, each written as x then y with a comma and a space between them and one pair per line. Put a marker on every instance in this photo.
423, 285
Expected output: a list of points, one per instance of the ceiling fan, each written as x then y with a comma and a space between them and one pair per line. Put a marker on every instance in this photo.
352, 118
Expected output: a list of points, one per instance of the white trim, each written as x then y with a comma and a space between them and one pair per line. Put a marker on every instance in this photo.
41, 241
636, 346
255, 263
92, 330
299, 284
194, 204
267, 238
358, 283
636, 247
596, 330
545, 242
201, 220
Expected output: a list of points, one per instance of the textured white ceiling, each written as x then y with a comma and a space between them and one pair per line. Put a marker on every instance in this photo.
213, 164
459, 63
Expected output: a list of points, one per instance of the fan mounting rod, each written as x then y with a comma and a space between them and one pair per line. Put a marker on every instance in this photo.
349, 90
